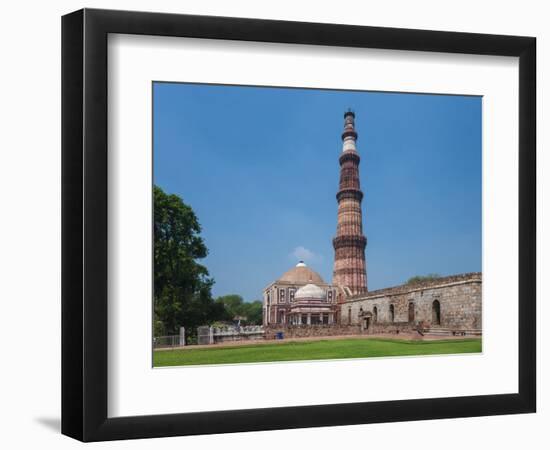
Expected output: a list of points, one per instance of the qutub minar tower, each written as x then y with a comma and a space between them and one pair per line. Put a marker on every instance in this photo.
349, 244
302, 304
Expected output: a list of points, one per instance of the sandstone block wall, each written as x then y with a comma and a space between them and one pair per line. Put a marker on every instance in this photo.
459, 300
391, 328
300, 331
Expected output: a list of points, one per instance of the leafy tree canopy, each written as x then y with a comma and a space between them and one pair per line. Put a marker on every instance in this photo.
235, 306
422, 278
182, 286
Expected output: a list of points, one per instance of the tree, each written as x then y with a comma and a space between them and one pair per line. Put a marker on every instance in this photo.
422, 278
234, 306
254, 312
182, 286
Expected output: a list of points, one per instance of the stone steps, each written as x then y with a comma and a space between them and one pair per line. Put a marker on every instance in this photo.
450, 332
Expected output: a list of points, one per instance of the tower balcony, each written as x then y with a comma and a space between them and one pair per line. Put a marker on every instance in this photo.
359, 241
350, 155
354, 194
348, 133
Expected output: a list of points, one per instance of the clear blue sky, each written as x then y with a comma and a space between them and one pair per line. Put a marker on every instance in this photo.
259, 166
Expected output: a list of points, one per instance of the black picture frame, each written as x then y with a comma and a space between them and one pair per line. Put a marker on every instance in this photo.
84, 224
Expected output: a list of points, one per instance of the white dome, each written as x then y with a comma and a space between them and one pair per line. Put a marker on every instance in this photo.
310, 291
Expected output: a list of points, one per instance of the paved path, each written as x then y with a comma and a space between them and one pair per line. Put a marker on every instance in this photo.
399, 337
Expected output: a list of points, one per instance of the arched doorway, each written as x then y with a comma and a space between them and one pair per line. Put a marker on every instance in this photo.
411, 312
375, 314
392, 313
436, 313
367, 321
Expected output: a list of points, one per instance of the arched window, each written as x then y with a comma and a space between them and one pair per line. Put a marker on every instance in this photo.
349, 316
411, 312
392, 313
436, 313
375, 314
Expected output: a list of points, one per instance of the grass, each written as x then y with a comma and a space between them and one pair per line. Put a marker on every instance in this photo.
324, 349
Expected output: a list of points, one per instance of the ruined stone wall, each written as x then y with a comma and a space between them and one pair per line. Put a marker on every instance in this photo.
299, 331
459, 300
391, 328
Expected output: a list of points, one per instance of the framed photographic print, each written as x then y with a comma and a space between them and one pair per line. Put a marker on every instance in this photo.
273, 224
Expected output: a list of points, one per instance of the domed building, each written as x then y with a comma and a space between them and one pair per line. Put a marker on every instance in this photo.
299, 297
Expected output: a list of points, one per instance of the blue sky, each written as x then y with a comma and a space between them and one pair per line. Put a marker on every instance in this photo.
259, 166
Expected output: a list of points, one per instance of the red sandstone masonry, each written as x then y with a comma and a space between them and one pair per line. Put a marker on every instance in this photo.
349, 243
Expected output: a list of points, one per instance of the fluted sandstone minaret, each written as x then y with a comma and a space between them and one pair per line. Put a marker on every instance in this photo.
349, 244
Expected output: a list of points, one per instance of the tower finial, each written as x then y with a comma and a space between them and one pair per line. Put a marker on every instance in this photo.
349, 136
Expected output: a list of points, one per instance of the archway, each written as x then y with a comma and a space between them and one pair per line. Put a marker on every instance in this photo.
436, 313
411, 312
367, 321
366, 324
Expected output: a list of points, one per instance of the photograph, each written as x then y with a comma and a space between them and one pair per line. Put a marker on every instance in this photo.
295, 224
267, 225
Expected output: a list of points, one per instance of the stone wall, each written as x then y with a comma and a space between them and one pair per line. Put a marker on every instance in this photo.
300, 331
391, 328
459, 299
214, 335
230, 333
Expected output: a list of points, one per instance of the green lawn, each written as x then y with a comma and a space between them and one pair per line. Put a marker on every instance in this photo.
327, 349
